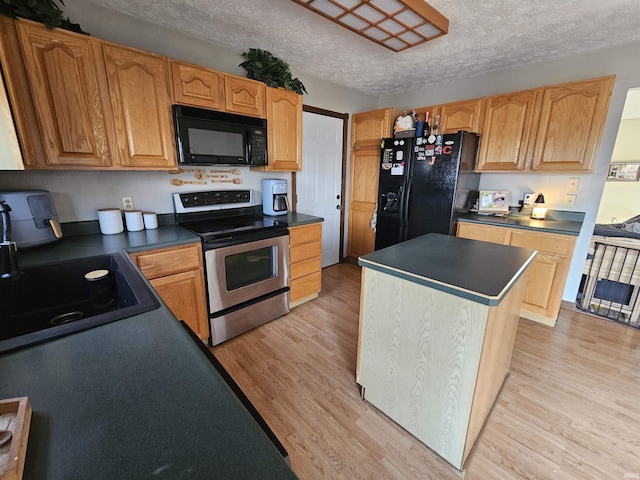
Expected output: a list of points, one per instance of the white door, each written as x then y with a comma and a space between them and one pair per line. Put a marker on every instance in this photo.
318, 185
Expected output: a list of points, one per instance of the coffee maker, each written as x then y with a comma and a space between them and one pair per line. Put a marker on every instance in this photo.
274, 196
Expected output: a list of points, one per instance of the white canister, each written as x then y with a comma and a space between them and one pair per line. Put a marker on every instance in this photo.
110, 221
150, 220
134, 221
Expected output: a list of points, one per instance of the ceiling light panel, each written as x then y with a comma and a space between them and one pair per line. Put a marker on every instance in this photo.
395, 24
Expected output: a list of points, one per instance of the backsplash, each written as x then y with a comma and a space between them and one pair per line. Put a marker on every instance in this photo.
78, 194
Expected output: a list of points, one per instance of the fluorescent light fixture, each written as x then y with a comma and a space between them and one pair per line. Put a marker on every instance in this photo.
395, 24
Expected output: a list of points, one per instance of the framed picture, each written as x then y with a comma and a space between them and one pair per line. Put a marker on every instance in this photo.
494, 201
624, 172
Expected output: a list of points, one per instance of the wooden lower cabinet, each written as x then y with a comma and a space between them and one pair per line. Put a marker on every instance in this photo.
177, 275
305, 262
547, 273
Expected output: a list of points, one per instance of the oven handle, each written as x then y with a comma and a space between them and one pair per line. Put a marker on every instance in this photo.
245, 238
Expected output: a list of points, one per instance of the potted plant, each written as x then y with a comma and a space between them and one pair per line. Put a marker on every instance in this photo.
264, 67
43, 11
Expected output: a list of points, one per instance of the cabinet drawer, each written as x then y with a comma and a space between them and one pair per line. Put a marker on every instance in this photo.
305, 252
543, 242
483, 232
305, 286
163, 262
306, 234
306, 267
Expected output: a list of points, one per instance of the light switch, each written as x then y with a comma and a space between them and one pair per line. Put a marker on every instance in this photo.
573, 184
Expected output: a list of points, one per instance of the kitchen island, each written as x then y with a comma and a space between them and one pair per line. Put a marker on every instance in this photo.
438, 319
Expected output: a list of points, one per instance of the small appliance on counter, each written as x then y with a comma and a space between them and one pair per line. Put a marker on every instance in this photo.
34, 220
274, 196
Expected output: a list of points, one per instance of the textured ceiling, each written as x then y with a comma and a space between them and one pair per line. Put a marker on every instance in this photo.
483, 36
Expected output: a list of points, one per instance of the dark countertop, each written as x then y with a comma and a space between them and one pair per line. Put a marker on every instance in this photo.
134, 399
465, 268
557, 221
76, 246
294, 219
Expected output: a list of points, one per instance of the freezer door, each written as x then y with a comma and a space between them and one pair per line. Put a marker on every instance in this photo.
394, 170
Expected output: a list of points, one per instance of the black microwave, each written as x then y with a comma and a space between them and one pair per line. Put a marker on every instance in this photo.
208, 137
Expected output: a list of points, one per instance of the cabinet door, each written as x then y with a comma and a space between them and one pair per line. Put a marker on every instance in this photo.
141, 108
464, 115
184, 295
244, 96
508, 131
197, 86
367, 130
284, 118
69, 95
571, 122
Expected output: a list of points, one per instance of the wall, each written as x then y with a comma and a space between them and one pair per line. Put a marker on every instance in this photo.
554, 186
77, 194
620, 199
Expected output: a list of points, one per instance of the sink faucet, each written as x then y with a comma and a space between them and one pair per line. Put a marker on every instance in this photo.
8, 249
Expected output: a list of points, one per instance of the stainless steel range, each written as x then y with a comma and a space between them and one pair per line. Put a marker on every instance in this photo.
246, 259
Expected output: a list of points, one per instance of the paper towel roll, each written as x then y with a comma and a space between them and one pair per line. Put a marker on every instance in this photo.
134, 220
150, 220
110, 221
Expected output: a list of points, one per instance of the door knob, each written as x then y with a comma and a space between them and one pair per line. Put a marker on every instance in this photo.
337, 197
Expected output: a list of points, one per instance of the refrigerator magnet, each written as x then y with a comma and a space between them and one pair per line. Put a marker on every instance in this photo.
397, 169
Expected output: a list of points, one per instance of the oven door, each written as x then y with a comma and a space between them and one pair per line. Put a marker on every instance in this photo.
245, 271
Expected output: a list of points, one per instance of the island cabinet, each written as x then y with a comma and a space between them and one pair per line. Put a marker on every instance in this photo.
96, 105
437, 326
548, 273
177, 275
367, 130
305, 262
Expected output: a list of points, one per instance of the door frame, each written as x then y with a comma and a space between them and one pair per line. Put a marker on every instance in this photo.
345, 131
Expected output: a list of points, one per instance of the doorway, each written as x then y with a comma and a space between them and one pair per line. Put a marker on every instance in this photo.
610, 285
319, 188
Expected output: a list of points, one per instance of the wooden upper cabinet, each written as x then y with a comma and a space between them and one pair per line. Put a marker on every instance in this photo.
571, 122
368, 128
69, 95
141, 108
508, 131
244, 96
197, 86
465, 115
284, 120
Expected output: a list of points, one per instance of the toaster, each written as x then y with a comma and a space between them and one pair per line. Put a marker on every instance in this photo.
34, 220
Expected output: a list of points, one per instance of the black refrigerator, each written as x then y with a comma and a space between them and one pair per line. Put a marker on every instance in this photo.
425, 183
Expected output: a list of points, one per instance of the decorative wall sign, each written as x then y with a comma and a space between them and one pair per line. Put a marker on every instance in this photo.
624, 172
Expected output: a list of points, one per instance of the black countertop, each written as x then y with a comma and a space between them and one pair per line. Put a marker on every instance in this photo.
479, 271
135, 398
557, 221
294, 219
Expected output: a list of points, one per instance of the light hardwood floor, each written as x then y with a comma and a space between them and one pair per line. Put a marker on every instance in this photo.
570, 408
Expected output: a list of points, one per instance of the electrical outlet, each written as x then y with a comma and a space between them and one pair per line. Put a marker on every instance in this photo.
570, 200
127, 203
572, 185
528, 199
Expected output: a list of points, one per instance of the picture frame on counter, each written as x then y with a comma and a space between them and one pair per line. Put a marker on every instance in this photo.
624, 172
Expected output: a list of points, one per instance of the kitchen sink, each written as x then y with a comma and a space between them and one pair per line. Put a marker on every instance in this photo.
53, 300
